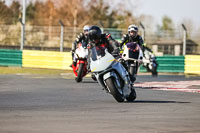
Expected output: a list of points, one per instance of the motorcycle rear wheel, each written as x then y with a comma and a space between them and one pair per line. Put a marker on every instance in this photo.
113, 90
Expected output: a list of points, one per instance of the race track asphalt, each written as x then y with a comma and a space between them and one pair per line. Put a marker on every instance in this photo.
57, 104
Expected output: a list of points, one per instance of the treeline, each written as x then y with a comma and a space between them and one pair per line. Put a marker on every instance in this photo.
71, 12
9, 15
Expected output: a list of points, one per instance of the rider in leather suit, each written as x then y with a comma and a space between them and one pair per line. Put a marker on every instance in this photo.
96, 38
132, 36
82, 37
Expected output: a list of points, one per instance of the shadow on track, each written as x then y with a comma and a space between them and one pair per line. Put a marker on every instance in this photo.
142, 101
89, 81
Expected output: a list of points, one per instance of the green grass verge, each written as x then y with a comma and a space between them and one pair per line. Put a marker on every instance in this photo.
19, 70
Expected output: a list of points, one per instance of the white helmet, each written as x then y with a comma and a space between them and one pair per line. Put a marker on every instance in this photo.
86, 27
132, 28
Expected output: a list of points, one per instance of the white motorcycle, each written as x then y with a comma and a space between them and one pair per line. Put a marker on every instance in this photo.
132, 56
111, 75
149, 62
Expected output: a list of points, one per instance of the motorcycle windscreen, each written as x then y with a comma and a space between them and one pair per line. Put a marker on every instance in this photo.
133, 50
81, 52
100, 59
98, 52
133, 54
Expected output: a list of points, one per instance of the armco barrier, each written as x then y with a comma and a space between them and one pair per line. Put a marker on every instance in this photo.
62, 60
47, 59
192, 64
169, 64
10, 57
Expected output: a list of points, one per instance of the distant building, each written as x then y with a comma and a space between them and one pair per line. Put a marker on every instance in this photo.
174, 47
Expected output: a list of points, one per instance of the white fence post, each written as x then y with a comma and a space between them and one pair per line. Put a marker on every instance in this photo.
61, 35
143, 31
23, 23
22, 35
184, 39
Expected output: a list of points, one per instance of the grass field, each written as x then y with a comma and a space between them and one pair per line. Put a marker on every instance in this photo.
19, 70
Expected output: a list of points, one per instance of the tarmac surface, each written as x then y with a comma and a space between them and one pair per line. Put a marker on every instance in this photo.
57, 104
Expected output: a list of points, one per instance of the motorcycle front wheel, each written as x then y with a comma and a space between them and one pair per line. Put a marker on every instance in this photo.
133, 72
153, 70
80, 72
113, 90
132, 96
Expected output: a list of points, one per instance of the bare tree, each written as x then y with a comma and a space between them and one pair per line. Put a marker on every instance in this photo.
73, 12
5, 13
45, 13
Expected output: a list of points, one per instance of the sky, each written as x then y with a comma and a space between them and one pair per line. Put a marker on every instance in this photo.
177, 10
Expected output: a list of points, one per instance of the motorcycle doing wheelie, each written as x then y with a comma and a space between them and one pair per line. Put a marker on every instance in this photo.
111, 74
132, 58
149, 62
80, 55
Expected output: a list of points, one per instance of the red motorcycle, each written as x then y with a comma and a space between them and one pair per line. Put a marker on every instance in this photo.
80, 55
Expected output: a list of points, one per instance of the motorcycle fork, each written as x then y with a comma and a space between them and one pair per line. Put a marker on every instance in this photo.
118, 79
123, 73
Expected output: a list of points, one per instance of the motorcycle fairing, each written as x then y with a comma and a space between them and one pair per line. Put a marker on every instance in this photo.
98, 59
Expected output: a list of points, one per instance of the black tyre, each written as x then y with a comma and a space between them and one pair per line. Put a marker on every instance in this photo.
79, 73
133, 68
154, 70
132, 96
133, 72
113, 90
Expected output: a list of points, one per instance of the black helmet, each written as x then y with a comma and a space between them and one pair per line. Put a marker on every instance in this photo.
94, 33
